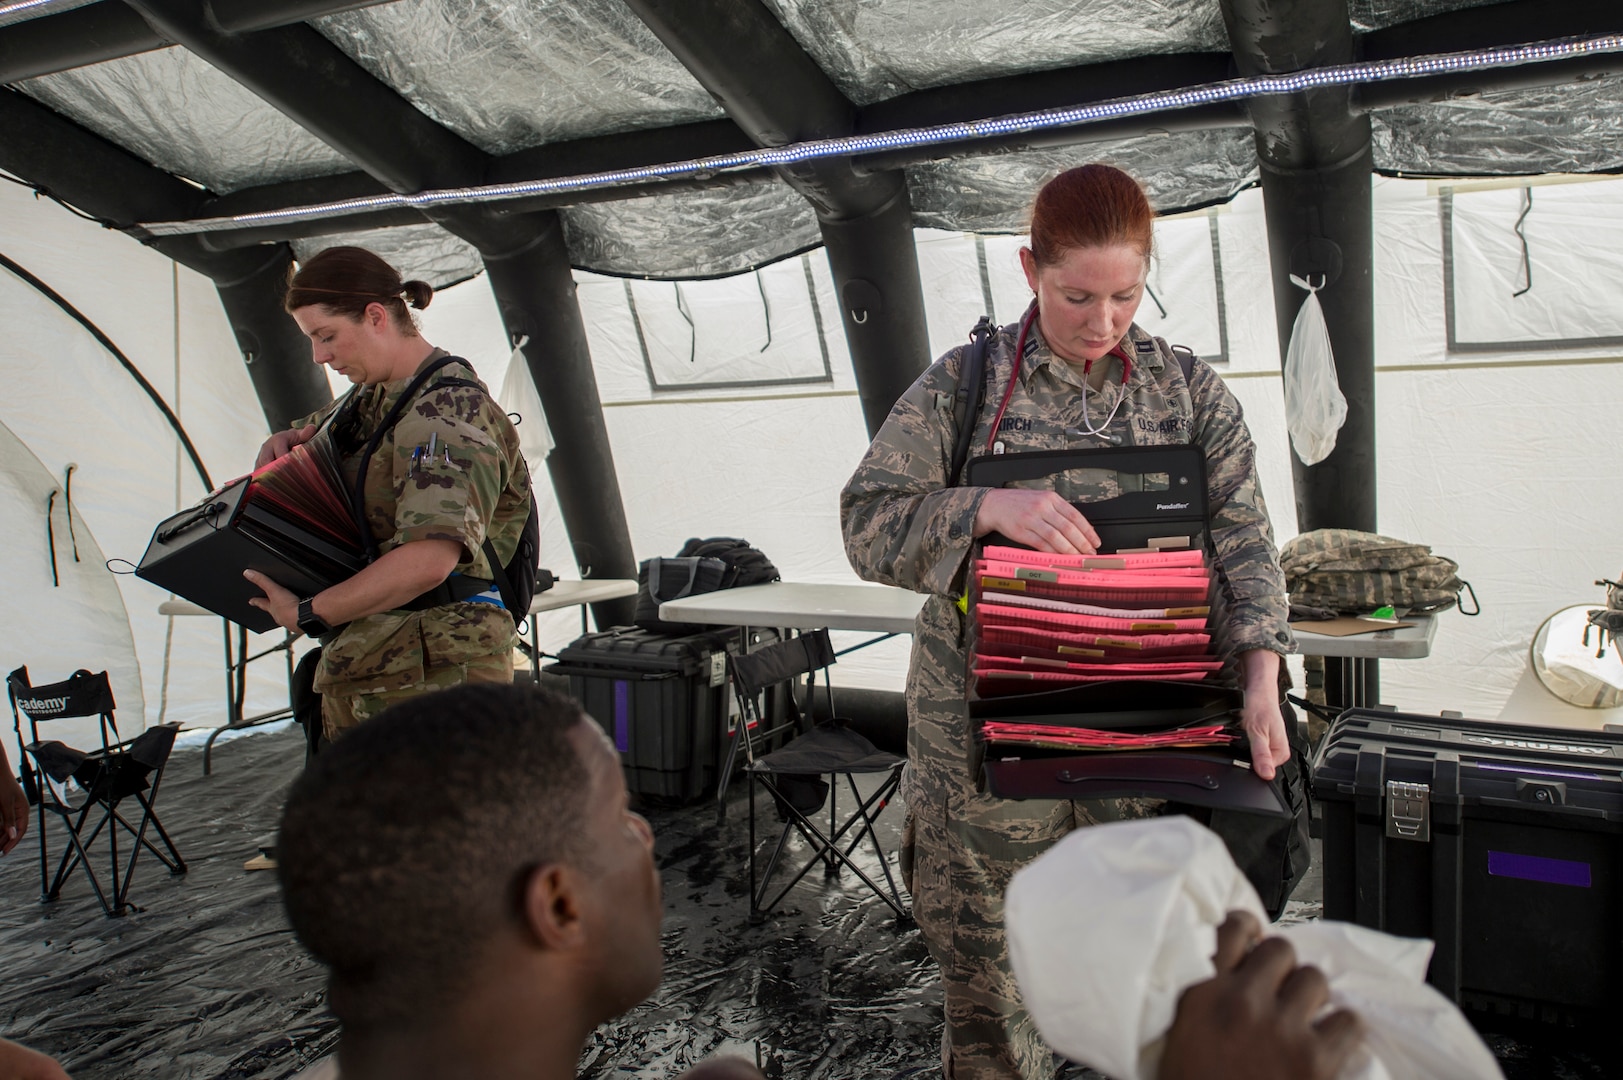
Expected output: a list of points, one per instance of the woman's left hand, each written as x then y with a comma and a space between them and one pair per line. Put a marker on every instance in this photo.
1260, 715
1265, 726
282, 605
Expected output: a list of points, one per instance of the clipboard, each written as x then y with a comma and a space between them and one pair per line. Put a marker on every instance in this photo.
1132, 520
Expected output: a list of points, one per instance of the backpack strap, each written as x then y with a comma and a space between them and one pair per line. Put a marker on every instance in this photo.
971, 383
358, 493
1186, 361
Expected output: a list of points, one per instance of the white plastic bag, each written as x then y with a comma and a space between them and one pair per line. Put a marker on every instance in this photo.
1314, 406
1108, 928
518, 395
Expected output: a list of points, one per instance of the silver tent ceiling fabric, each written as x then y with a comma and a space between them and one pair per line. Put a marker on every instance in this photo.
422, 252
1573, 128
1379, 14
696, 234
514, 74
183, 116
993, 193
874, 49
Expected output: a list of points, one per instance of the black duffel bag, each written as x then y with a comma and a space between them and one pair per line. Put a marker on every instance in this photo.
702, 566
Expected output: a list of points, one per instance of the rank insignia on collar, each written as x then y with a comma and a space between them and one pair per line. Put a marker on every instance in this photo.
1144, 346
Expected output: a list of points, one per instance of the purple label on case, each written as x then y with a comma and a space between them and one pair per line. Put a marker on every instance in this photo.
1538, 868
622, 716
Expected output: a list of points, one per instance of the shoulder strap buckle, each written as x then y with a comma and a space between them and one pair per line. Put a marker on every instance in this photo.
971, 381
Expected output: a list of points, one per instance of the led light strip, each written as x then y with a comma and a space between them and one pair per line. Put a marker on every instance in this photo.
29, 5
936, 135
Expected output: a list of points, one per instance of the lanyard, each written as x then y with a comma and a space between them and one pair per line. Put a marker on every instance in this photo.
1019, 356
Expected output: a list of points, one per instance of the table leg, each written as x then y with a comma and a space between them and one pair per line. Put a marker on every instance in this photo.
1369, 682
230, 668
535, 648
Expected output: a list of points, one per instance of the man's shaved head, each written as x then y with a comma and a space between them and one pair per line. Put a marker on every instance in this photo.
406, 845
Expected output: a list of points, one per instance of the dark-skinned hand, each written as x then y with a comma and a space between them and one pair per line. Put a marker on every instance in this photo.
1254, 1019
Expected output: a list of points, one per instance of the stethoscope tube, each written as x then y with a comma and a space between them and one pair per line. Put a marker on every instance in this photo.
1019, 357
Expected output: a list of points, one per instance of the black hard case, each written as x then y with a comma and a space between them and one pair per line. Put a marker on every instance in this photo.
200, 554
1509, 857
663, 700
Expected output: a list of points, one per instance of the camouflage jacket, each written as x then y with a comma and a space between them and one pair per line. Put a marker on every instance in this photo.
474, 485
903, 528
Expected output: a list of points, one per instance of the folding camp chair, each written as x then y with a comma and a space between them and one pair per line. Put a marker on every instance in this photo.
794, 774
105, 778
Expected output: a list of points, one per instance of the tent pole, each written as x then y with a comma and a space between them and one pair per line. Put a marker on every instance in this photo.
1316, 163
288, 382
535, 293
1315, 158
776, 93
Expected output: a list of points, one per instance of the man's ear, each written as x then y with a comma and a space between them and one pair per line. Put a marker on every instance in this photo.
552, 907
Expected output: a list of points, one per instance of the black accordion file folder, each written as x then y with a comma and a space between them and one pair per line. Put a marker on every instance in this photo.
290, 520
1101, 676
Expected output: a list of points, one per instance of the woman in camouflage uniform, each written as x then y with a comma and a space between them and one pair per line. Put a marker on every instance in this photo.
1086, 377
447, 476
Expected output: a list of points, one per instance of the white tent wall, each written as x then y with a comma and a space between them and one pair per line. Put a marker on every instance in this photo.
68, 400
62, 574
1505, 461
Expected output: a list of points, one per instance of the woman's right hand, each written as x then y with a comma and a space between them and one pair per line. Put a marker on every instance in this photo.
283, 441
1036, 519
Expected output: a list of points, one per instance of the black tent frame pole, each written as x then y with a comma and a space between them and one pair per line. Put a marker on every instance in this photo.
1315, 158
535, 293
777, 94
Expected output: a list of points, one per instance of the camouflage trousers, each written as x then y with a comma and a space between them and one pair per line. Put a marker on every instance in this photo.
339, 713
957, 859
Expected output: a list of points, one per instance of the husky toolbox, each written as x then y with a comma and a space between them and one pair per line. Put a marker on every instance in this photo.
663, 700
1502, 843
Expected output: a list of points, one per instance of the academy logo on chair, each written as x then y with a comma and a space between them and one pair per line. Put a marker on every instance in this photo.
42, 706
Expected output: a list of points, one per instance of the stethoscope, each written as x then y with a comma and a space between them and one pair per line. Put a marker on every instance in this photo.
1019, 357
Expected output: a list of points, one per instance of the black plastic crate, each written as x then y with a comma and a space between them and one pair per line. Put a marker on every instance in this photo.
663, 700
1502, 843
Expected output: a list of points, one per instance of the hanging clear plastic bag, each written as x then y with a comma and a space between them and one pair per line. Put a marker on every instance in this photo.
1314, 406
518, 395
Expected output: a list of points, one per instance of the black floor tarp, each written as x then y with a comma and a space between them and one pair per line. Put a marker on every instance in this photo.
207, 982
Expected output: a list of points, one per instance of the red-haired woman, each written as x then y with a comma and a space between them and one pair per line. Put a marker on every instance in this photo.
1075, 372
447, 476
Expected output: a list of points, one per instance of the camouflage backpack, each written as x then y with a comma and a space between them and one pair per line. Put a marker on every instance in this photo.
1354, 573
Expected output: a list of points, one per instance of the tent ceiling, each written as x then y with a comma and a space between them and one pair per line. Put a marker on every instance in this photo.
1574, 128
527, 80
873, 51
183, 116
510, 75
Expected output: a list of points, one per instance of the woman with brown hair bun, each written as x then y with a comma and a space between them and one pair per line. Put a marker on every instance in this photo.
1074, 372
445, 477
